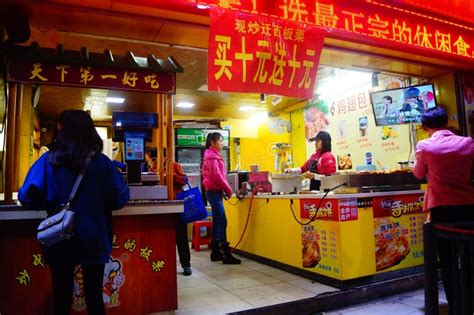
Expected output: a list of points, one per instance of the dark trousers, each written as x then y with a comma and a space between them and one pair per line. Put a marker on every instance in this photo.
450, 214
63, 281
182, 243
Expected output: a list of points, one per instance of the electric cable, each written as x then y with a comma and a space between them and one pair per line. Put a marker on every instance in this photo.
254, 192
313, 217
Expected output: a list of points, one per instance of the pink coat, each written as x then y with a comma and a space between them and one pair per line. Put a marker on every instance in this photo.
448, 160
213, 172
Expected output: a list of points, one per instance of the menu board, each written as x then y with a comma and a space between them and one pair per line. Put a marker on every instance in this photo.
398, 231
320, 240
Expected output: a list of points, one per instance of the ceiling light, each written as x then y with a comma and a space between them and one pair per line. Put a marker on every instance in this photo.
185, 105
118, 100
276, 100
246, 108
202, 6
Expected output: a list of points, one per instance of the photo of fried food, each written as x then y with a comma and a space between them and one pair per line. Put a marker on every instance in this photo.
344, 162
311, 253
391, 247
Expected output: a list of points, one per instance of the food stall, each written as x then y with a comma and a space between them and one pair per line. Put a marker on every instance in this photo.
336, 236
140, 276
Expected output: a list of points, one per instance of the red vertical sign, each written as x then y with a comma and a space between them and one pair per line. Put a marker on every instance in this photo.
254, 53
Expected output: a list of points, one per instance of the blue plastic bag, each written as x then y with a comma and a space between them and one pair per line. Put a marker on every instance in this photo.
194, 208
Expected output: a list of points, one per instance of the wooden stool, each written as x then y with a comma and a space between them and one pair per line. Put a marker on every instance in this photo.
197, 240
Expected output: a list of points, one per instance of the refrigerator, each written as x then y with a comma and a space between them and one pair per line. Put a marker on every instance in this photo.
189, 151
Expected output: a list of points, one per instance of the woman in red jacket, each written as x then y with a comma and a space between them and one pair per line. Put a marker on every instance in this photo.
321, 162
215, 185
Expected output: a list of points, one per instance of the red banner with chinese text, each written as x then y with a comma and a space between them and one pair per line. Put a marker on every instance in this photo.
372, 22
260, 54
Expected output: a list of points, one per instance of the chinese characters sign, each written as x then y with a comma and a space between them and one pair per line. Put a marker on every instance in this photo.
398, 231
369, 21
92, 77
252, 53
320, 240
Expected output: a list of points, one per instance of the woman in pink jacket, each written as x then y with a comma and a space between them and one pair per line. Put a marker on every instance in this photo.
215, 185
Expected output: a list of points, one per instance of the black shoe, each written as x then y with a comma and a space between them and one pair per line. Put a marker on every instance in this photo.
227, 258
187, 271
216, 254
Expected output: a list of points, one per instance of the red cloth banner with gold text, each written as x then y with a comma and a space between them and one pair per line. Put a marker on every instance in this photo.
260, 54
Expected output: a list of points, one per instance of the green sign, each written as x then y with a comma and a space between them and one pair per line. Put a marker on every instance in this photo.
193, 137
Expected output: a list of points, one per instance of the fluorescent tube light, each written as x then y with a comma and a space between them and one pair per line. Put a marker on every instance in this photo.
118, 100
185, 105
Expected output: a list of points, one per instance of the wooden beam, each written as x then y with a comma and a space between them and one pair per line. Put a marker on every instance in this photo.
10, 143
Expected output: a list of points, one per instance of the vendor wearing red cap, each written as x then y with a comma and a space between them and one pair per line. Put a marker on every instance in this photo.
321, 162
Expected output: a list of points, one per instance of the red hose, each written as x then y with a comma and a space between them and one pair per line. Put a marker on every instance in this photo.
254, 191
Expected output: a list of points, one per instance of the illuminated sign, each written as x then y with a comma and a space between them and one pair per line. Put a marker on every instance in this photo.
369, 21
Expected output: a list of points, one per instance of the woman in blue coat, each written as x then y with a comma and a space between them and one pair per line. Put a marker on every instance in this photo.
49, 183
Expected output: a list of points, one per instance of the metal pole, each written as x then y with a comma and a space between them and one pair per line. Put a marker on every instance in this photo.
431, 270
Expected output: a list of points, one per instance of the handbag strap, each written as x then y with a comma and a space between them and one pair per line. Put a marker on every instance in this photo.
186, 182
78, 180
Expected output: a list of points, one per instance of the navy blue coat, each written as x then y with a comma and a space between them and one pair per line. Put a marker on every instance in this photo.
102, 190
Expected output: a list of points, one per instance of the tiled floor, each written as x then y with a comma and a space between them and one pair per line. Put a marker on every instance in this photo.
214, 288
409, 303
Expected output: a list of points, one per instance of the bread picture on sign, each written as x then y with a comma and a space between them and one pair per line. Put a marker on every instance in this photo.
311, 253
391, 246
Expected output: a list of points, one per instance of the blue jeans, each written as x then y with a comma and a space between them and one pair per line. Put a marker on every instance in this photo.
219, 221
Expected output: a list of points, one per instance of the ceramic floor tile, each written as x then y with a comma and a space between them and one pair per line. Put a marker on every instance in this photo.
286, 276
269, 271
312, 286
246, 282
260, 301
217, 308
192, 281
197, 298
233, 275
202, 289
266, 291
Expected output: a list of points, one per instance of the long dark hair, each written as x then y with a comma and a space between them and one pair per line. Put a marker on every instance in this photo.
76, 139
213, 136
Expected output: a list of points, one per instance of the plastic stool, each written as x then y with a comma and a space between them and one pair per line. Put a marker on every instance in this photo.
197, 240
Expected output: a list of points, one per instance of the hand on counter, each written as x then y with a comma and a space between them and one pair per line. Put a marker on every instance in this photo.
295, 170
308, 175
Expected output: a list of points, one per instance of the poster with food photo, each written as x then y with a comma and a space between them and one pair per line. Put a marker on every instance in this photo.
398, 231
320, 240
344, 162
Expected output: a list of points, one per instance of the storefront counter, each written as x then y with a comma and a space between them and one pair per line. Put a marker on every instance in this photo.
352, 236
140, 277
